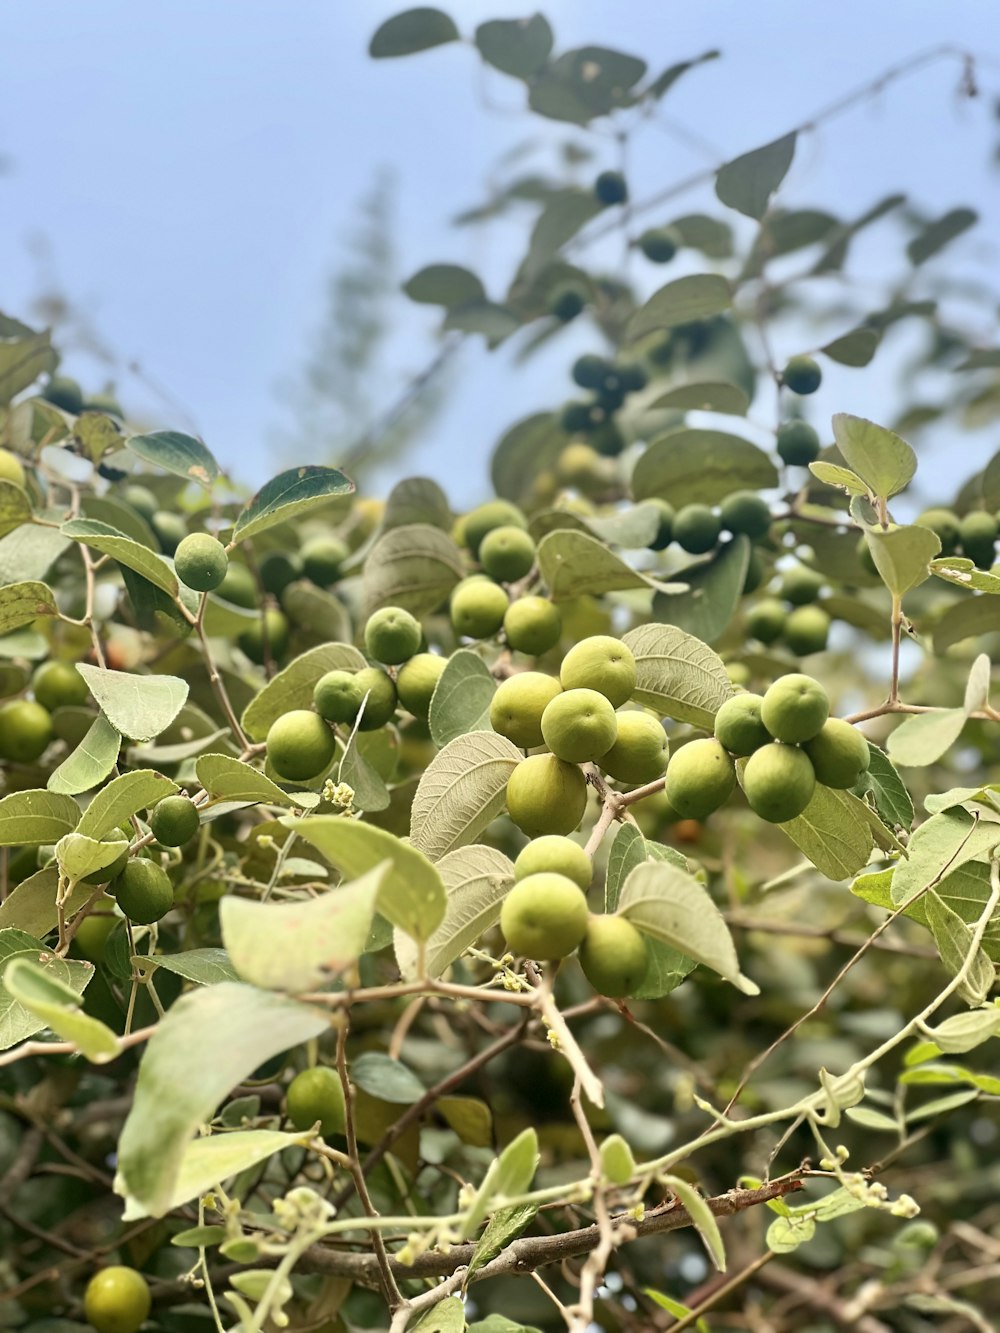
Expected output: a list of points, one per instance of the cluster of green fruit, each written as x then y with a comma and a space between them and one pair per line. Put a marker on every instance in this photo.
68, 395
791, 616
974, 535
790, 743
610, 385
26, 728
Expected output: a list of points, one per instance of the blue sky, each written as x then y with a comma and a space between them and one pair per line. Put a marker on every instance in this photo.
186, 172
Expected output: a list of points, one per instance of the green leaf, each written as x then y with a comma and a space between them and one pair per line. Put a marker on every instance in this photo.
199, 1237
32, 818
954, 940
565, 213
98, 434
704, 396
79, 856
461, 700
21, 603
892, 800
833, 475
964, 620
414, 567
122, 798
448, 1316
633, 528
586, 82
31, 905
27, 554
936, 235
370, 792
139, 707
413, 30
504, 1226
17, 1022
22, 360
982, 358
228, 779
938, 848
833, 833
56, 1003
181, 454
444, 284
462, 790
509, 1174
786, 1234
470, 1118
677, 1308
691, 466
234, 1029
15, 507
748, 182
494, 321
205, 967
299, 946
519, 47
683, 301
628, 850
709, 235
90, 763
527, 448
665, 81
964, 574
387, 1079
678, 675
574, 563
713, 592
903, 555
417, 500
671, 907
961, 1032
702, 1217
991, 474
925, 737
856, 348
289, 497
411, 895
880, 457
100, 537
476, 880
293, 686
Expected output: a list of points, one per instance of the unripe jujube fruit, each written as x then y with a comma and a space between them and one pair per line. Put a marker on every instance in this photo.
610, 187
116, 1300
337, 696
317, 1095
143, 891
766, 620
614, 956
700, 778
802, 375
659, 244
798, 443
738, 724
507, 553
141, 499
239, 587
556, 854
589, 370
946, 525
517, 707
274, 625
778, 782
746, 512
59, 685
416, 682
696, 529
979, 535
567, 302
322, 558
174, 821
839, 754
65, 393
579, 725
277, 569
477, 608
201, 561
807, 630
600, 663
25, 731
546, 795
640, 751
170, 530
754, 576
795, 708
11, 468
392, 635
665, 524
801, 585
544, 916
378, 690
486, 517
300, 745
532, 625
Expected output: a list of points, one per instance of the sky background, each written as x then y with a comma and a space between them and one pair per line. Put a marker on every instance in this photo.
186, 173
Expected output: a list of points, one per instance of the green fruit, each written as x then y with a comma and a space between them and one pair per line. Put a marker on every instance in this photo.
239, 587
807, 630
91, 935
798, 443
493, 514
116, 1300
107, 873
660, 244
738, 724
766, 620
802, 375
380, 704
700, 778
317, 1095
544, 916
566, 303
589, 371
633, 375
575, 418
57, 684
65, 393
532, 625
416, 681
554, 854
696, 529
141, 499
610, 188
174, 821
739, 673
337, 696
277, 570
25, 731
665, 526
517, 706
507, 554
614, 956
603, 664
795, 708
580, 465
143, 891
608, 440
801, 585
778, 782
839, 754
300, 745
746, 512
274, 624
170, 530
201, 562
477, 608
579, 725
546, 795
979, 535
11, 468
640, 751
392, 635
322, 558
946, 524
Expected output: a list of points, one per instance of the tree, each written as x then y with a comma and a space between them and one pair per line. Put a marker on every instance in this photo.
423, 914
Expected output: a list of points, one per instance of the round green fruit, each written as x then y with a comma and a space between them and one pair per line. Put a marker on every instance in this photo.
174, 821
380, 704
517, 706
277, 570
802, 375
640, 751
659, 244
392, 635
801, 585
766, 620
91, 935
575, 418
557, 855
546, 795
614, 956
493, 514
608, 440
507, 554
665, 524
274, 625
579, 725
778, 782
600, 663
25, 731
700, 778
610, 188
141, 499
633, 375
746, 512
58, 684
798, 443
696, 529
566, 303
532, 625
739, 673
738, 724
337, 696
979, 536
64, 393
11, 468
300, 745
795, 708
477, 607
201, 562
143, 891
544, 916
946, 524
322, 558
589, 370
839, 754
807, 630
116, 1300
416, 682
317, 1094
170, 530
239, 587
580, 465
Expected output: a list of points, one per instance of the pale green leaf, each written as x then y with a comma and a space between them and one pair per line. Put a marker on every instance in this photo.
21, 603
122, 798
881, 458
228, 779
90, 763
461, 791
713, 592
690, 466
17, 1022
682, 301
414, 567
132, 554
139, 707
411, 31
748, 182
31, 818
476, 879
289, 497
678, 675
461, 700
903, 555
293, 686
56, 1003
